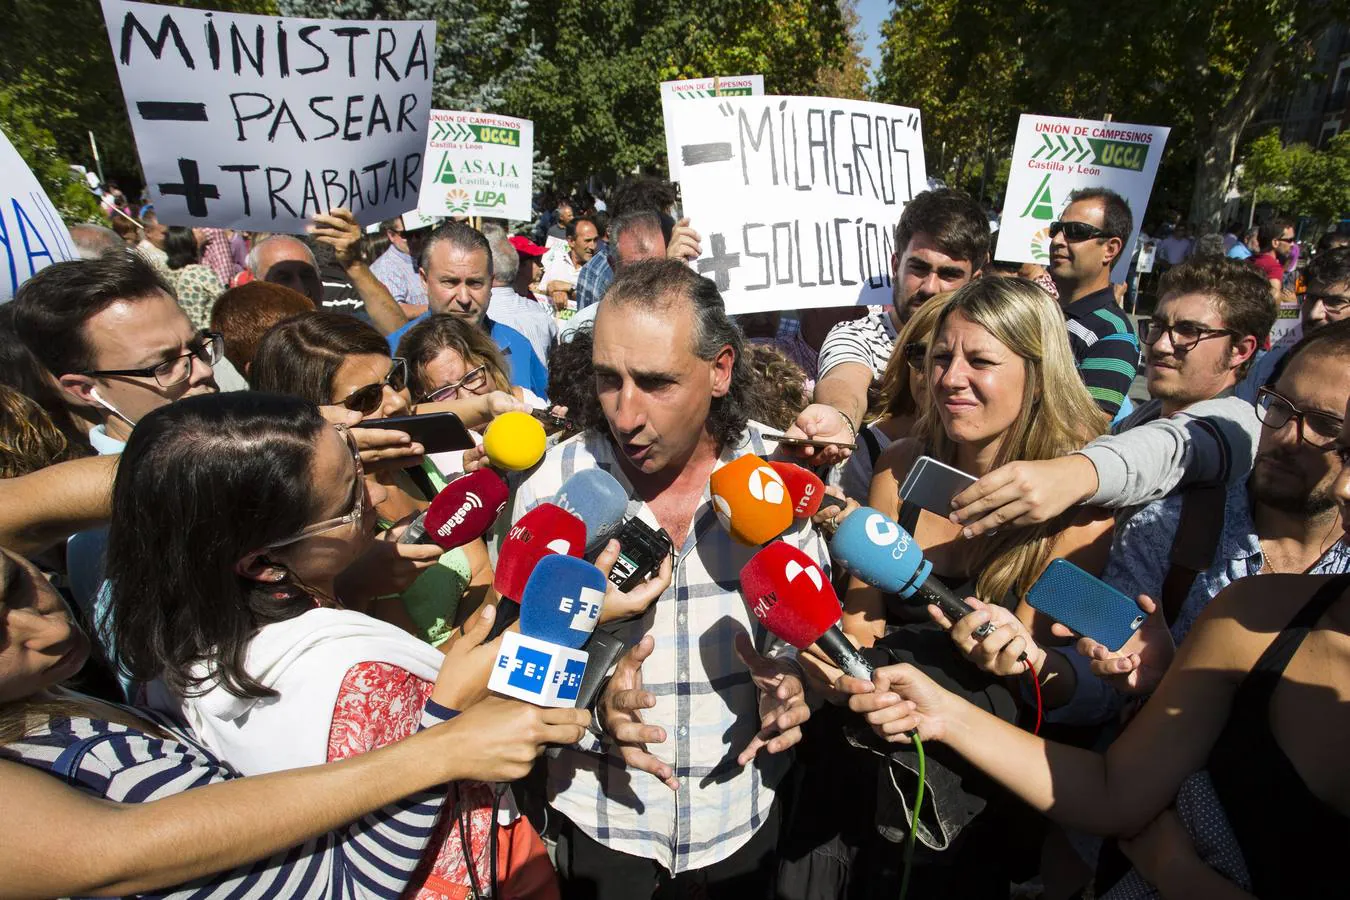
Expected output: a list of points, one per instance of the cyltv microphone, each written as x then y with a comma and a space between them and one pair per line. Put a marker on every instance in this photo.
805, 489
543, 530
881, 553
790, 595
596, 498
751, 500
464, 510
514, 441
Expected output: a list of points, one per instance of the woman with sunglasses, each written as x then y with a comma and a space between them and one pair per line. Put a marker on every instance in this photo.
235, 520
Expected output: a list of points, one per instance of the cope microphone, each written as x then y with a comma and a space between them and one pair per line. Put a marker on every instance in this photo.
464, 510
805, 489
514, 441
559, 607
790, 595
751, 500
887, 557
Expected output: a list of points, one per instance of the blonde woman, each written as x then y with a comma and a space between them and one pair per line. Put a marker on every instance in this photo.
448, 359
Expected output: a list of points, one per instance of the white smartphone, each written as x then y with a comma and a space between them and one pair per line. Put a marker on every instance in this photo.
932, 485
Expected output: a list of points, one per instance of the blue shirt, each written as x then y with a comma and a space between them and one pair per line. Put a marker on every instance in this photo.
522, 366
1239, 251
594, 278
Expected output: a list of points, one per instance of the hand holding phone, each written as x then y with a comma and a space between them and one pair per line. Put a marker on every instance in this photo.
786, 441
436, 432
931, 485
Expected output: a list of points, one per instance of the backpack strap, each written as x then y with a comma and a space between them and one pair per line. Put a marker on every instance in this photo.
1195, 545
67, 765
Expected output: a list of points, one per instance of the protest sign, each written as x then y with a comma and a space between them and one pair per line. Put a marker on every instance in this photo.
797, 198
259, 122
673, 92
1054, 157
32, 235
478, 164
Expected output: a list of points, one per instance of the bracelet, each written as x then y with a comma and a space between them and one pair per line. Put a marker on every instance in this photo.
853, 429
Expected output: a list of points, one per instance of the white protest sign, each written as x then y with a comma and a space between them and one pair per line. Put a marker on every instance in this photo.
796, 198
32, 235
478, 164
673, 92
1054, 157
259, 122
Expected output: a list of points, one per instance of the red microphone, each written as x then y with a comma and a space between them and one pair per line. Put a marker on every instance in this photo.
805, 489
463, 511
751, 500
790, 595
543, 530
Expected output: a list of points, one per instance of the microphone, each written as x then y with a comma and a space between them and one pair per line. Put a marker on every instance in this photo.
805, 489
751, 500
596, 498
543, 530
559, 607
464, 510
514, 441
887, 557
790, 595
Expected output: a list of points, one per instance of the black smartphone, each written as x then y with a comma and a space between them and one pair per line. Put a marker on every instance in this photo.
436, 432
554, 424
786, 441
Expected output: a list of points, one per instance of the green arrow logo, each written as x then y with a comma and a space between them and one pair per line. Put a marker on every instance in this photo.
1041, 206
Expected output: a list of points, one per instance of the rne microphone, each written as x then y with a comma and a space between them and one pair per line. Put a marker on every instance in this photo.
751, 500
543, 663
790, 595
805, 489
514, 441
464, 510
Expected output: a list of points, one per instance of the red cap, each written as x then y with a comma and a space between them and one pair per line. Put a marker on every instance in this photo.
789, 594
751, 500
465, 509
543, 530
526, 246
804, 487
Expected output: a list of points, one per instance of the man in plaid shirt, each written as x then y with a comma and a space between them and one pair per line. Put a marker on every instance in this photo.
679, 783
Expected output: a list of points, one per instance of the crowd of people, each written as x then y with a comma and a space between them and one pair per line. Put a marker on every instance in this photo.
223, 673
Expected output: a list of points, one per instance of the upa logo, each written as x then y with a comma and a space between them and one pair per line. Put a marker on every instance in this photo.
881, 530
489, 199
457, 201
814, 575
765, 485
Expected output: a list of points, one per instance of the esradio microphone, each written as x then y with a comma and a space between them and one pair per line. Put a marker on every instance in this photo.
805, 490
751, 500
464, 510
887, 557
559, 607
790, 595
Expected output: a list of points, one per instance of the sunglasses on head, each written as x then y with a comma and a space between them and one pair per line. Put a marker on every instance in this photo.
366, 400
1077, 231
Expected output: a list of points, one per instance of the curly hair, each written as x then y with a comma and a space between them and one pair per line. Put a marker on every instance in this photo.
29, 440
571, 378
779, 390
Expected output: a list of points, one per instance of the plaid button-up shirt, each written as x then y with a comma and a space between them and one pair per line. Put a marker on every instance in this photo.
705, 699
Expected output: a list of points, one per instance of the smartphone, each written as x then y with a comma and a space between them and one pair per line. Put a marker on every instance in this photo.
1088, 605
786, 441
932, 485
436, 432
554, 424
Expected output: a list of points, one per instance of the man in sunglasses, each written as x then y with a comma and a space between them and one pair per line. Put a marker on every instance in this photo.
1327, 299
1085, 243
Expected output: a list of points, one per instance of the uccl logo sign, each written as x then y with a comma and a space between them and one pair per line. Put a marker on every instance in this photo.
471, 502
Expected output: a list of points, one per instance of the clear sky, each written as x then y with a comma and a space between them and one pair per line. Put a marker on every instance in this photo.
873, 13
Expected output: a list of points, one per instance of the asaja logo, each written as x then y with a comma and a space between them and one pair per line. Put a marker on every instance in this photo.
445, 172
457, 201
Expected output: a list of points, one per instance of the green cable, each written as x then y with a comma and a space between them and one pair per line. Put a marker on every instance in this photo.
914, 820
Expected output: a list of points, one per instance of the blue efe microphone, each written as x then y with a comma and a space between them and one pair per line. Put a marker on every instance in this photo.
596, 498
562, 600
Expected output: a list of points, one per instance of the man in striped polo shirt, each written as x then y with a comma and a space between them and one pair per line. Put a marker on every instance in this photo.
1085, 243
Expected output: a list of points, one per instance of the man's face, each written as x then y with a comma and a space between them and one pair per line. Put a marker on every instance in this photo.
1290, 474
288, 262
396, 236
1080, 262
922, 272
565, 214
155, 233
138, 334
457, 281
655, 392
1180, 376
1283, 244
1323, 303
583, 243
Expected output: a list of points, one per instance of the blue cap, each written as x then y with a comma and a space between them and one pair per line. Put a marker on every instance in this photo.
596, 498
561, 601
880, 552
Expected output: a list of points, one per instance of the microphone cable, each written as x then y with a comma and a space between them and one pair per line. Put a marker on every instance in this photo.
914, 819
1036, 683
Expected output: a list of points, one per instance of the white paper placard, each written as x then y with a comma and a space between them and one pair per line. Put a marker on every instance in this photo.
797, 198
32, 235
478, 164
674, 92
259, 122
1054, 157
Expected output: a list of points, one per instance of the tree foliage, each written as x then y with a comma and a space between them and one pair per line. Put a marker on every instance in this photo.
1298, 180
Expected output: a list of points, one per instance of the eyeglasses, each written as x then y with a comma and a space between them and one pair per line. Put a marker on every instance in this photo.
1333, 303
1183, 335
352, 516
366, 400
208, 346
914, 353
1077, 231
473, 381
1275, 412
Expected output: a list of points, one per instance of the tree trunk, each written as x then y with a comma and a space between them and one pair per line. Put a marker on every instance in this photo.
1219, 144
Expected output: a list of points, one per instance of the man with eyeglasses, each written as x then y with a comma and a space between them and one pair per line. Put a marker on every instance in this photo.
1327, 299
1085, 243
